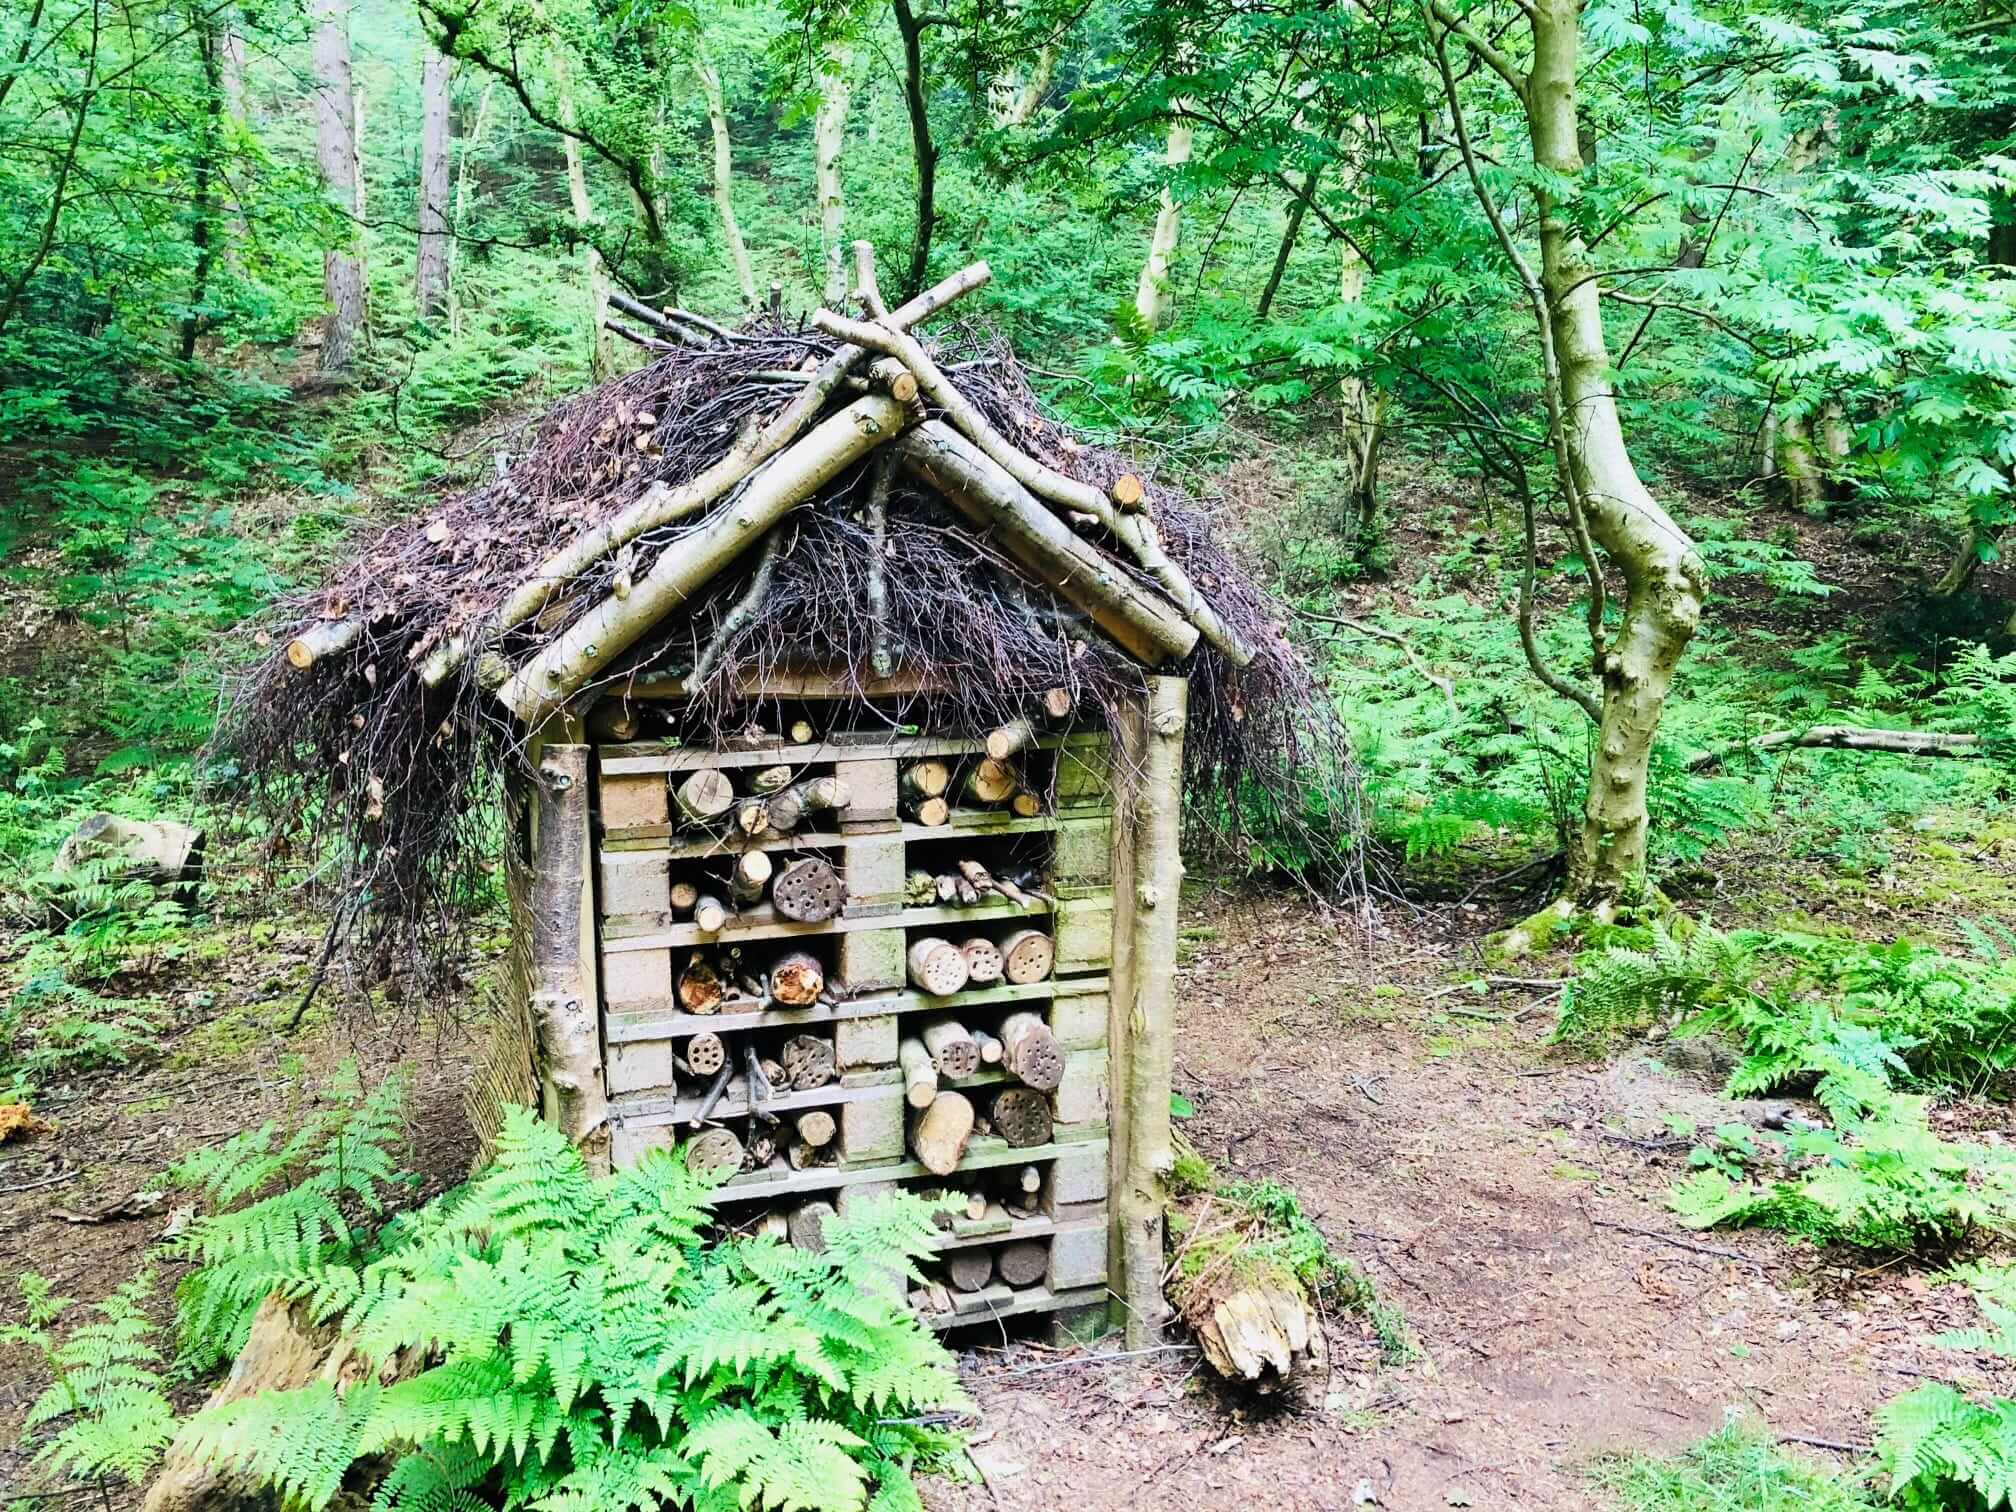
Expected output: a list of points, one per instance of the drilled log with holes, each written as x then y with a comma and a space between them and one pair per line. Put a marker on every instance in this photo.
952, 1049
1030, 1052
1027, 956
808, 890
705, 1054
983, 960
936, 966
807, 1061
1021, 1115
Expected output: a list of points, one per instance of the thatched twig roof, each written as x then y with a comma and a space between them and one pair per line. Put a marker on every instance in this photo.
954, 542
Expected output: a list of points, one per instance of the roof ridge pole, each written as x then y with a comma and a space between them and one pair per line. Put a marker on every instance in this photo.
612, 626
661, 505
1134, 531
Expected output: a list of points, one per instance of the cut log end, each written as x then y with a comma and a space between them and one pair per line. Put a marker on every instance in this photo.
1023, 1263
797, 979
936, 966
1027, 956
714, 1150
938, 1137
969, 1269
1021, 1116
1129, 492
808, 891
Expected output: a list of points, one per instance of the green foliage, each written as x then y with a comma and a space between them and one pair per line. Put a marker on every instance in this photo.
587, 1350
1849, 1019
106, 1393
291, 1212
1738, 1468
1943, 1450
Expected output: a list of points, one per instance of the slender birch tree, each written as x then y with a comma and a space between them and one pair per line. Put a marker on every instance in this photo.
431, 267
343, 325
724, 168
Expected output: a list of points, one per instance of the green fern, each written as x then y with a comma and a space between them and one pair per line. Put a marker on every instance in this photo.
106, 1392
1617, 989
322, 1182
589, 1351
1943, 1449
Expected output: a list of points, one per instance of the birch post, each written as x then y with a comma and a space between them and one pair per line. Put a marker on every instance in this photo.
567, 1035
1142, 1028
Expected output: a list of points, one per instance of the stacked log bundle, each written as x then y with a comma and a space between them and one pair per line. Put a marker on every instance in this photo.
923, 784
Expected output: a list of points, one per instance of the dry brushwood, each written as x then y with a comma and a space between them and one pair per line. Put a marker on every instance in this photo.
400, 693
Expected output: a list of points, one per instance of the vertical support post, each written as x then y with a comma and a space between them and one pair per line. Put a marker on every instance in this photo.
1148, 881
565, 1002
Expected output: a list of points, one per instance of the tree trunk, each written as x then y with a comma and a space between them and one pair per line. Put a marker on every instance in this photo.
461, 217
1014, 105
1798, 464
923, 149
724, 178
829, 137
203, 213
1290, 233
336, 156
1362, 411
1151, 294
1662, 574
431, 269
601, 356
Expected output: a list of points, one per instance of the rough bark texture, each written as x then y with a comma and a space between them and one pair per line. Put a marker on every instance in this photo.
1362, 412
1151, 293
336, 157
829, 136
565, 1017
431, 272
724, 179
1143, 1049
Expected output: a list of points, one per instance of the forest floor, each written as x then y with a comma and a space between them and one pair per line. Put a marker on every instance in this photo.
1504, 1194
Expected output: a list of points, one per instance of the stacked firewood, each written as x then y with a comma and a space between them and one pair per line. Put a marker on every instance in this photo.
945, 1050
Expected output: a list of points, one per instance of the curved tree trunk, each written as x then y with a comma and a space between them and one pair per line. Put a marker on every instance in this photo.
336, 156
923, 149
431, 267
1151, 294
1363, 415
724, 178
1663, 579
829, 138
1012, 103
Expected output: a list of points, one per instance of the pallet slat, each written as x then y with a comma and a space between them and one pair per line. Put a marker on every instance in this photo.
621, 934
626, 760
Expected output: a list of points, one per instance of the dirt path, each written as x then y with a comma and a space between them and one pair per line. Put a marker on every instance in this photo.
1484, 1186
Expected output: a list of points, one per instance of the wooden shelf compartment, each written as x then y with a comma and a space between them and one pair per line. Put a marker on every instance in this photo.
1038, 1227
1029, 1299
628, 1028
632, 932
662, 842
648, 756
982, 1154
649, 1110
